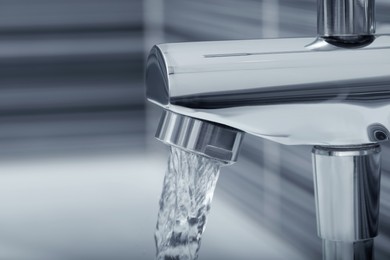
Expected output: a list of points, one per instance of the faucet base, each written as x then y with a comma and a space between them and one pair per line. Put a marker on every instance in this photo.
358, 250
347, 188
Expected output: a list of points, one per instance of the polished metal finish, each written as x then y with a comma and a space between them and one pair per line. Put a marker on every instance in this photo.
346, 18
347, 187
209, 139
277, 88
332, 91
359, 250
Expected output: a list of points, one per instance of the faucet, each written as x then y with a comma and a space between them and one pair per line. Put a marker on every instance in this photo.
332, 93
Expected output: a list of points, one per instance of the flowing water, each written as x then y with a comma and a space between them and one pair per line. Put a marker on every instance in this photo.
185, 202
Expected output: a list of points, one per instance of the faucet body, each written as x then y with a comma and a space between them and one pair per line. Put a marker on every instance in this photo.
293, 92
285, 90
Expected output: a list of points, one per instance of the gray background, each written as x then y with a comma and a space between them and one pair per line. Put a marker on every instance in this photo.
80, 171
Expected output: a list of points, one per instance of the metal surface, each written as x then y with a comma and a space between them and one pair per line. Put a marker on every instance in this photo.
346, 20
359, 250
332, 91
347, 187
278, 88
205, 138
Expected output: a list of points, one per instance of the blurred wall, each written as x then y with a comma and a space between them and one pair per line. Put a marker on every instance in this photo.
70, 76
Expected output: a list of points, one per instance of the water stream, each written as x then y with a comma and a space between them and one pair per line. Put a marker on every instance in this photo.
185, 202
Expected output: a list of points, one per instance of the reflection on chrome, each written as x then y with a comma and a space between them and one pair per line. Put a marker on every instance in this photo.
277, 89
347, 187
201, 137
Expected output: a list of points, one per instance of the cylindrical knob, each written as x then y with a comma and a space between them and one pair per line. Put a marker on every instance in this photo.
346, 23
346, 17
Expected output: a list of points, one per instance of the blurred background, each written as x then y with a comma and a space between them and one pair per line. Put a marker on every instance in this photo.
80, 171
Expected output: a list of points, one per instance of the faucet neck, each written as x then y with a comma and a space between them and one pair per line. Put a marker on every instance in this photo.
346, 21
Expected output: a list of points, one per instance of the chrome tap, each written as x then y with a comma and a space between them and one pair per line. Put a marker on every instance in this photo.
332, 92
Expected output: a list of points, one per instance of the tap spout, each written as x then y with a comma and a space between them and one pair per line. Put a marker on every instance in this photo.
280, 89
205, 138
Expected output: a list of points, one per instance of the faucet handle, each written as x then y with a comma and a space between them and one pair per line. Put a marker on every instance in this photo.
346, 23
